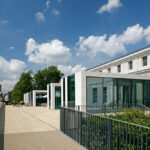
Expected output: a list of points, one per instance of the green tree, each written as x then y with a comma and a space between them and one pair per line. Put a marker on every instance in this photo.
24, 85
47, 75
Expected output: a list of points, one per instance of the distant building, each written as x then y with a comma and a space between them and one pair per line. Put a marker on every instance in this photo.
36, 98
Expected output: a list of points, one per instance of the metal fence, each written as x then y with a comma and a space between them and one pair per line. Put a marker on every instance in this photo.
1, 105
101, 133
109, 108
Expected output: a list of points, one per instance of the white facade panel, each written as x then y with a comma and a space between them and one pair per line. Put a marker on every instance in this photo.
136, 58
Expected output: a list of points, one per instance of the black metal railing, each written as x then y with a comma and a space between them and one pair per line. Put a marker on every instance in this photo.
1, 105
101, 133
109, 108
71, 104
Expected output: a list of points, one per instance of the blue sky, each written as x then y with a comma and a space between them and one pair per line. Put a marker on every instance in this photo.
72, 34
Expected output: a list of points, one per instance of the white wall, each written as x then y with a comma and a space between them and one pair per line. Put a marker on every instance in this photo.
62, 92
48, 98
136, 58
66, 92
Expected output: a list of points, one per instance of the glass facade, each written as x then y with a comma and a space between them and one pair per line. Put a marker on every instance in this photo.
113, 91
40, 100
71, 91
57, 97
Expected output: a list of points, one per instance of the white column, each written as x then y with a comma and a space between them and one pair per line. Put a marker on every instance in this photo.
34, 98
48, 96
52, 96
62, 92
66, 92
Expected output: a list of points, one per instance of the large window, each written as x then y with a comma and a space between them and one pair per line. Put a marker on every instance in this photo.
139, 93
71, 90
117, 92
144, 61
99, 91
94, 95
94, 91
57, 97
130, 65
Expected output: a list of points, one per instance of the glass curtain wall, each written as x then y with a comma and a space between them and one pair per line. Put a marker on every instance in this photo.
71, 91
117, 92
57, 97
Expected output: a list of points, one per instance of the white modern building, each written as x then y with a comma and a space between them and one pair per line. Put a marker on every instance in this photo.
97, 89
137, 62
36, 98
54, 95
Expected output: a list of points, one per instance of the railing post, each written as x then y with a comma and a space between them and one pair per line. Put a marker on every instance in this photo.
109, 134
80, 126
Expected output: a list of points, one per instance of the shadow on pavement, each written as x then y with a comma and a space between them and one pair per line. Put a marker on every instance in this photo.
2, 127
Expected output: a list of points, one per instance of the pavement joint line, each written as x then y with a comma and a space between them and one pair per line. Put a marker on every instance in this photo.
39, 120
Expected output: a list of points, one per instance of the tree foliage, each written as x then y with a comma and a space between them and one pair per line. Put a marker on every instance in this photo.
39, 81
24, 85
48, 75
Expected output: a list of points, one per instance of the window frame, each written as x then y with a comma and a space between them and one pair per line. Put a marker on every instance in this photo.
119, 68
130, 65
143, 61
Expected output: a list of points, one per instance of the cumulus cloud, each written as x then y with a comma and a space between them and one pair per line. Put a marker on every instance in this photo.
11, 72
110, 6
50, 53
147, 34
40, 17
11, 48
56, 12
4, 21
48, 3
68, 70
113, 44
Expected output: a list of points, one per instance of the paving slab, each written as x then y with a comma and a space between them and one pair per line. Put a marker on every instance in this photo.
51, 140
29, 128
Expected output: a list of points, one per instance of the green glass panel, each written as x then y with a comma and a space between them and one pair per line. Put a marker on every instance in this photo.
94, 95
94, 91
139, 92
57, 97
105, 95
147, 93
71, 88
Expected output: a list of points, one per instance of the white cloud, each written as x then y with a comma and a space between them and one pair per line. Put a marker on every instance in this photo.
40, 17
56, 12
7, 85
110, 6
4, 22
68, 70
11, 48
10, 72
132, 35
48, 3
147, 34
50, 53
113, 44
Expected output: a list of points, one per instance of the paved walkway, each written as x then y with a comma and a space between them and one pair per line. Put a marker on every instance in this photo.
28, 128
